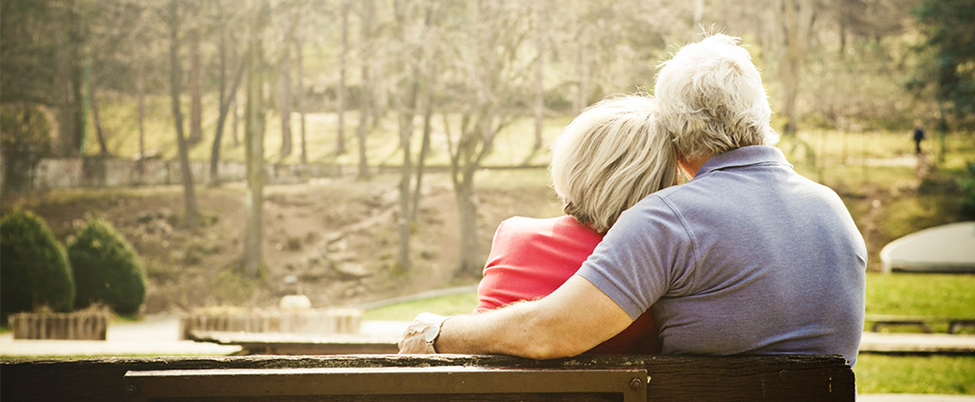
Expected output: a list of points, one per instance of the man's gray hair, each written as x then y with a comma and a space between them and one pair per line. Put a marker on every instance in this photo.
711, 99
609, 158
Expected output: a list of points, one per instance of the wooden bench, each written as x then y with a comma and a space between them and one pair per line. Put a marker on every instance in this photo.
922, 322
431, 378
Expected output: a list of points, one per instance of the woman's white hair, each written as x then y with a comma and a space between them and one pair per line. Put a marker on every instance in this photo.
609, 157
711, 99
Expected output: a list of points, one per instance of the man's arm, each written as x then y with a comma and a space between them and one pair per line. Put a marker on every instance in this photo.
571, 320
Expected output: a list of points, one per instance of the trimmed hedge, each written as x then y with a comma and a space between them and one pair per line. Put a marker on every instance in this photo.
107, 269
34, 270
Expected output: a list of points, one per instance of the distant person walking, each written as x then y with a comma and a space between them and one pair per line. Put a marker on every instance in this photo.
918, 136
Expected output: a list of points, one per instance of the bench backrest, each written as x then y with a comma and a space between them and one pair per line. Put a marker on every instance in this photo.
431, 378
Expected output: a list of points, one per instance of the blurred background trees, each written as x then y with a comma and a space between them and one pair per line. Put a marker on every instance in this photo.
86, 77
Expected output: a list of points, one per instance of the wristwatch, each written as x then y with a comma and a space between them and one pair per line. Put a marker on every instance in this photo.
433, 332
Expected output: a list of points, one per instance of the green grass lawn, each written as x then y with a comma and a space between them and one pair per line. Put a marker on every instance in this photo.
881, 374
934, 295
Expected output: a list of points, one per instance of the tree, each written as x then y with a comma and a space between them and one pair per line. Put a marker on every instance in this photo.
42, 64
226, 97
341, 89
411, 41
99, 131
284, 101
196, 90
191, 212
794, 19
365, 86
489, 88
947, 67
538, 18
254, 125
300, 99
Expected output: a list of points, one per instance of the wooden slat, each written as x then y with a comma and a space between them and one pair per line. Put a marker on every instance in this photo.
244, 384
674, 378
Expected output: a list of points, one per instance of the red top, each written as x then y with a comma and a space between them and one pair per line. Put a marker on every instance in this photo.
530, 258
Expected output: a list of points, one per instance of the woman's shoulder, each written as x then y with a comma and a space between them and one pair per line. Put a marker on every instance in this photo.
528, 235
561, 226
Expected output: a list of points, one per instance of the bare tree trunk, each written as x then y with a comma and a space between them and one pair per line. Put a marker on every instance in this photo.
236, 107
225, 101
196, 100
300, 100
254, 139
68, 134
340, 91
284, 102
425, 145
222, 103
471, 262
406, 172
582, 75
407, 113
365, 93
75, 60
192, 211
141, 88
698, 12
795, 18
539, 82
102, 146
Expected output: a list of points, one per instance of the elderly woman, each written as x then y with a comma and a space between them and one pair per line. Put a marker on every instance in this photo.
606, 160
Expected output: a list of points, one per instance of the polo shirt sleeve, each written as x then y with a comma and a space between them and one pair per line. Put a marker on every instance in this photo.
646, 255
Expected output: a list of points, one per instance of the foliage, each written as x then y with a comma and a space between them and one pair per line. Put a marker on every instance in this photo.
107, 269
35, 270
24, 128
967, 185
950, 65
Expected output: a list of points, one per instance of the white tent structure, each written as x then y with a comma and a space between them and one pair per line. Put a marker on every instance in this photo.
947, 248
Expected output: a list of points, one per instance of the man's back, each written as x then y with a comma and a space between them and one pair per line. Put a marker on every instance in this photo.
747, 258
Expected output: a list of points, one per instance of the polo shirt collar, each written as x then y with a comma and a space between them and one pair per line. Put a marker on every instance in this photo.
744, 156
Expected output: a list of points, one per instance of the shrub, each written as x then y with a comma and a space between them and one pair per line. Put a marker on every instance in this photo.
34, 270
106, 269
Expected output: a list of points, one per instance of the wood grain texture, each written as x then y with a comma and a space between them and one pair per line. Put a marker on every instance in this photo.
673, 378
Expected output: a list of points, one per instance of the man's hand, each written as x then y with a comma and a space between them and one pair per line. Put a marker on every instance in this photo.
420, 334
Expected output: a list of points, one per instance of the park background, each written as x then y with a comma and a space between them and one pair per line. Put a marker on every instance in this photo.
413, 127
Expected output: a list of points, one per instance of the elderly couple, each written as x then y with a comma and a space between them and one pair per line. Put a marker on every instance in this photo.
747, 257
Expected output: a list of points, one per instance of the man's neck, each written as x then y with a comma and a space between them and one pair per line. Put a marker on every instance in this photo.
690, 167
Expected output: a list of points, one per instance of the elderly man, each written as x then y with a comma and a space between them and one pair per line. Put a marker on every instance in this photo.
746, 258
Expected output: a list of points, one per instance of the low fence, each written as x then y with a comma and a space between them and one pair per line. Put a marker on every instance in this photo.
328, 321
45, 174
76, 326
19, 172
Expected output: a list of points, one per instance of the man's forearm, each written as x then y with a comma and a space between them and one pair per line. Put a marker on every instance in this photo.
567, 323
512, 330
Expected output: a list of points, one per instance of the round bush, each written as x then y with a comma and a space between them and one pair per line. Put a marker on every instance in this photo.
34, 270
106, 269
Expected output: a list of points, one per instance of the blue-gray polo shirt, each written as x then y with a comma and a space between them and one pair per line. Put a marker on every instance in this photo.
749, 257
